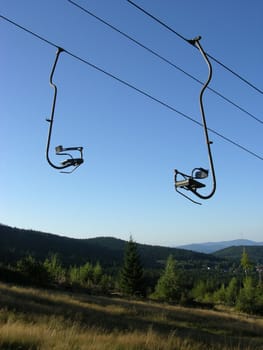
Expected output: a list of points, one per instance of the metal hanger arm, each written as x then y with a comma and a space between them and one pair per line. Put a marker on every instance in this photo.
208, 142
71, 162
191, 182
51, 120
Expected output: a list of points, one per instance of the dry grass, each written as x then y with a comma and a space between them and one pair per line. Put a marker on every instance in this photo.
37, 319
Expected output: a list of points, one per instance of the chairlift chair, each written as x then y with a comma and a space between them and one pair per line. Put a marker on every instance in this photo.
76, 162
190, 182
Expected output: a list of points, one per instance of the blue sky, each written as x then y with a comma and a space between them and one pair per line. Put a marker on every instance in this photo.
131, 143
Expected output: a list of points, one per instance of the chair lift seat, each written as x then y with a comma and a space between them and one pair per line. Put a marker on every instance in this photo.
189, 184
72, 161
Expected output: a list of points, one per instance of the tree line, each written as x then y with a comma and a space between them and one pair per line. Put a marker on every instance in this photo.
242, 290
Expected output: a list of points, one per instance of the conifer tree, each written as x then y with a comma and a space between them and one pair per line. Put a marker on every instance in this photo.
168, 287
232, 292
132, 271
54, 268
246, 301
86, 274
245, 262
97, 273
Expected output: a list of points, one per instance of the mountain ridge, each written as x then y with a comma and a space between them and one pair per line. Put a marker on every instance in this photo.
15, 243
212, 247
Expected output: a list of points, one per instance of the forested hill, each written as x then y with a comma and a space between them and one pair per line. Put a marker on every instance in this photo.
255, 253
16, 243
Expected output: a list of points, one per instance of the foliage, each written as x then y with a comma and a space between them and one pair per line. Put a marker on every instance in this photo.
203, 290
168, 286
250, 299
86, 273
55, 270
131, 281
231, 292
74, 275
89, 276
97, 273
227, 294
199, 290
33, 270
246, 299
219, 295
245, 262
192, 281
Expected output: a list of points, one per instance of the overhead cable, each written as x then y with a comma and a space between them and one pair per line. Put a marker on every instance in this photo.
165, 60
186, 40
132, 87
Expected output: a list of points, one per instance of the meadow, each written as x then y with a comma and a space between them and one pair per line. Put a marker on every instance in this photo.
32, 319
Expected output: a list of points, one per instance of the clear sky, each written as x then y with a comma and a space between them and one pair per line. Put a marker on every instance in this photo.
131, 143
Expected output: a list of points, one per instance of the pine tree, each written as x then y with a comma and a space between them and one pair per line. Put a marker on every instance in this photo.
219, 295
97, 273
132, 271
246, 301
245, 262
168, 287
74, 275
54, 268
199, 291
86, 274
232, 292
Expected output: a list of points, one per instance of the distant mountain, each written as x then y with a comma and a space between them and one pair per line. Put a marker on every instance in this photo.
15, 243
255, 253
211, 247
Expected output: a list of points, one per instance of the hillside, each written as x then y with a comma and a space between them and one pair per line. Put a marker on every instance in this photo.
211, 247
255, 253
16, 243
45, 319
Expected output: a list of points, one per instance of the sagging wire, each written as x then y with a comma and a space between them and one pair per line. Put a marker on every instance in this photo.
60, 150
133, 87
186, 40
167, 61
189, 182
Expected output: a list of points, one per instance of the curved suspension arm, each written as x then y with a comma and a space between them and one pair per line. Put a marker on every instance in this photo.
51, 120
208, 142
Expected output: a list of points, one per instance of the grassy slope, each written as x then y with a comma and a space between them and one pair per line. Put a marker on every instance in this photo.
38, 319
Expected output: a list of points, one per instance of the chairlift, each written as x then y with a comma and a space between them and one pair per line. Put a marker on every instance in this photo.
191, 182
76, 162
60, 150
